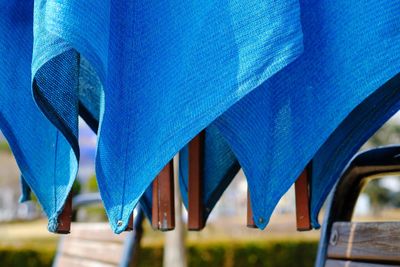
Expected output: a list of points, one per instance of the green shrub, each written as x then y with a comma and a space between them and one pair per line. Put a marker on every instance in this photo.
27, 257
279, 254
91, 184
150, 256
4, 147
250, 254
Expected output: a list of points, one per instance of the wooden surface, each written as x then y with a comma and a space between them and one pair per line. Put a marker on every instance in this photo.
90, 245
95, 231
250, 219
339, 263
379, 242
155, 221
166, 212
66, 261
64, 219
303, 220
93, 250
130, 224
195, 187
163, 210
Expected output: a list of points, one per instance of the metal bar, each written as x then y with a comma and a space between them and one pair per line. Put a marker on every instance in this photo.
195, 188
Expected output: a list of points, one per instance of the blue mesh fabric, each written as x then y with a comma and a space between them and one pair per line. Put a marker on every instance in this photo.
167, 92
46, 159
275, 84
322, 107
151, 70
331, 159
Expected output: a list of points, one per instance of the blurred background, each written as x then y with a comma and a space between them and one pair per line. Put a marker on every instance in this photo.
225, 242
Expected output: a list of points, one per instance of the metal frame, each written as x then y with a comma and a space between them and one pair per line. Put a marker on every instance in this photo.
367, 165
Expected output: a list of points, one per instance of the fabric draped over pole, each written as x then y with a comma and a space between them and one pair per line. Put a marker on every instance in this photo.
45, 157
273, 84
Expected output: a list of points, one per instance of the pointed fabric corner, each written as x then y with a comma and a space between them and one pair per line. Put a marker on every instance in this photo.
45, 158
64, 84
141, 54
321, 107
276, 83
220, 167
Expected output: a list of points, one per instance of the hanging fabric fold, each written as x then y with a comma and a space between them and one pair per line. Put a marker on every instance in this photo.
275, 84
177, 61
45, 158
332, 158
220, 167
145, 73
64, 83
350, 51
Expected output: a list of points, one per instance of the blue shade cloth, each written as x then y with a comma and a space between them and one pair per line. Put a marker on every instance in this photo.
44, 156
276, 84
167, 70
320, 108
332, 158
